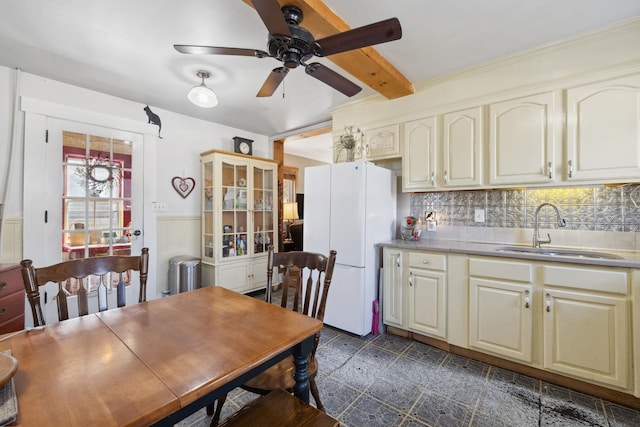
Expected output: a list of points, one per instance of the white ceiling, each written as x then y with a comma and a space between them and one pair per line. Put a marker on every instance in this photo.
125, 48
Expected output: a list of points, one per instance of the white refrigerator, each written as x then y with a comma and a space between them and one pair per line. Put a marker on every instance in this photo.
350, 207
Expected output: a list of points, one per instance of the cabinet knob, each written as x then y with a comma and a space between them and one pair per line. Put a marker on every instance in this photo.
425, 261
398, 260
433, 179
570, 168
446, 177
527, 299
550, 170
411, 279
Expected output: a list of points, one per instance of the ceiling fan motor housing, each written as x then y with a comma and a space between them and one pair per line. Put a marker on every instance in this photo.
295, 49
291, 50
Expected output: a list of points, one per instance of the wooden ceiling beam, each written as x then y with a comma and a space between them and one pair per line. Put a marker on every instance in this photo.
365, 64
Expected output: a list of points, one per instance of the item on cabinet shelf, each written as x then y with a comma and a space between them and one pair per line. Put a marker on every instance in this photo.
349, 141
242, 145
183, 186
229, 197
242, 182
227, 228
242, 199
408, 225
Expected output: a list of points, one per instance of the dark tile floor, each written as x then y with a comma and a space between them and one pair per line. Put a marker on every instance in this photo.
391, 381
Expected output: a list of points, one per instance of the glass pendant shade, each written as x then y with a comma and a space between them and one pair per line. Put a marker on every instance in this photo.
201, 95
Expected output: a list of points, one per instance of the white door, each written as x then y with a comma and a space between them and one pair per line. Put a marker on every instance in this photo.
90, 198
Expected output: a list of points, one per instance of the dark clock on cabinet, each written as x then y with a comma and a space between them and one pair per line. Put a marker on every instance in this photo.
243, 145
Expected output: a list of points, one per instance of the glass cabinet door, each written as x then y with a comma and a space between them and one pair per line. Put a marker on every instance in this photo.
234, 210
207, 209
263, 200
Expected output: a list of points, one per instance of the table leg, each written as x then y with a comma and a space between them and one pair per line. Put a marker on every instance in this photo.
301, 375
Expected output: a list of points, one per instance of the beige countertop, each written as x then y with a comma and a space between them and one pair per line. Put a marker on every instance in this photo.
629, 259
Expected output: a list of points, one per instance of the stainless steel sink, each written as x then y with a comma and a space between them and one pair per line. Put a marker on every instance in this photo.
573, 253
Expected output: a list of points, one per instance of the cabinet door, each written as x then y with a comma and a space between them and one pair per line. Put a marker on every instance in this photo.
392, 303
263, 200
258, 278
382, 143
500, 318
586, 336
231, 222
462, 148
522, 134
233, 275
427, 301
603, 130
419, 154
207, 210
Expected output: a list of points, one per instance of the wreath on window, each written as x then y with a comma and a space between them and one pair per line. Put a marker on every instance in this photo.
98, 174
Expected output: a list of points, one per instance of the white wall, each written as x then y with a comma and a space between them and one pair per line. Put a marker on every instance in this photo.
176, 154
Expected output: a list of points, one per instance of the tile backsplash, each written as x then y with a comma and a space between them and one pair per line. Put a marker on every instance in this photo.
596, 208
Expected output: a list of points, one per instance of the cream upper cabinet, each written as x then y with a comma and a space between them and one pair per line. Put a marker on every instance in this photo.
603, 131
382, 143
586, 324
427, 293
419, 151
523, 133
501, 307
462, 145
392, 303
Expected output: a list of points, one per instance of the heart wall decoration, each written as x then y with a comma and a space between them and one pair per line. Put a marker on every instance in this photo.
184, 186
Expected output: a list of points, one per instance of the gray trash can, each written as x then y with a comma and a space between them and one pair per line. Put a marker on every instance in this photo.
190, 275
176, 282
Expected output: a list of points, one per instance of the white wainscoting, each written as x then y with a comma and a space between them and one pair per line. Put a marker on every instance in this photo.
176, 235
11, 249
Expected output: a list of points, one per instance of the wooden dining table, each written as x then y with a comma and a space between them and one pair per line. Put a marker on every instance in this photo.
156, 362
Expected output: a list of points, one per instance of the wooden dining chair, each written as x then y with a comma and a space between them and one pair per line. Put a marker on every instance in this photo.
305, 286
80, 270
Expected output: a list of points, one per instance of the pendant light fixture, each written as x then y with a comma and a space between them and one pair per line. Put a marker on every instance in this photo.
201, 95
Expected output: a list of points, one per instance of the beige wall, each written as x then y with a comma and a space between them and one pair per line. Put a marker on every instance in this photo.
300, 163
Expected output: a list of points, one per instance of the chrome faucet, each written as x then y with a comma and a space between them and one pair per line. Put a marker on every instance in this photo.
537, 241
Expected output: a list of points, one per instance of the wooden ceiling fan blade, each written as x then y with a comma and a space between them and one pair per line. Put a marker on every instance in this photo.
273, 81
333, 79
372, 34
215, 50
269, 11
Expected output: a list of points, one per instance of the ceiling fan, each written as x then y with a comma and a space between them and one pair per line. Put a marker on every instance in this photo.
293, 45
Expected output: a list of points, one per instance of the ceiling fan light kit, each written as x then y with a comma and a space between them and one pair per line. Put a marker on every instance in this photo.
201, 95
293, 45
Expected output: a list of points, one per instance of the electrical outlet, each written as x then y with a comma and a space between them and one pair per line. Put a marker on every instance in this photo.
431, 226
479, 215
158, 207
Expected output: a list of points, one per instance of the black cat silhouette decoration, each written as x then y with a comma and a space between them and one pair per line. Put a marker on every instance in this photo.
153, 119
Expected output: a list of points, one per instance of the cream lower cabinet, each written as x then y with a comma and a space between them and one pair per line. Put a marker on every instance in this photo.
241, 276
415, 293
500, 307
586, 324
392, 284
427, 293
